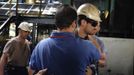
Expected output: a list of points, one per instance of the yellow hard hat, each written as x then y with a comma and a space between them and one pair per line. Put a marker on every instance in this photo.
90, 11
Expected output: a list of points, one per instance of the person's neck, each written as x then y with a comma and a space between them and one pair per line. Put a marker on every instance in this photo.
81, 33
20, 38
66, 30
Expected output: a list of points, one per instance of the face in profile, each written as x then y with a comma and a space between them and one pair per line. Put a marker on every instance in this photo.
92, 29
96, 29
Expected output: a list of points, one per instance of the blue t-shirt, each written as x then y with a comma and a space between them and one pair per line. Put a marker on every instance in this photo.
64, 54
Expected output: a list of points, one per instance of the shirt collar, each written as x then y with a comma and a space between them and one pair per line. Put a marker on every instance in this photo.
62, 34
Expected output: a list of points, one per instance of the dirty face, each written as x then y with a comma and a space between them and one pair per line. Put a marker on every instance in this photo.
95, 29
24, 34
92, 28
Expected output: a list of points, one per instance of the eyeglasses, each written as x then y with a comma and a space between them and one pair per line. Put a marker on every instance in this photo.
93, 23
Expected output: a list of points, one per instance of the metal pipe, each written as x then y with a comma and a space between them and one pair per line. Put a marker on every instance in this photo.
17, 7
40, 8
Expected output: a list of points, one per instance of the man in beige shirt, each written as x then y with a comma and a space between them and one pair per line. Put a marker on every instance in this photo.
16, 53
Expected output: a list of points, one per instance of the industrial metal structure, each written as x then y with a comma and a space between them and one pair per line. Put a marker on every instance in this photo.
40, 14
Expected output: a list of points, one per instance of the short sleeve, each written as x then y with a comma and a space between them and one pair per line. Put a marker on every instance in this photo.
33, 64
9, 47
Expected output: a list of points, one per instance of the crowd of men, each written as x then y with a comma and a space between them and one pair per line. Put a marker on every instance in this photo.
73, 49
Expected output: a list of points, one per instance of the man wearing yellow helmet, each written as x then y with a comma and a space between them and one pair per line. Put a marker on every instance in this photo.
89, 24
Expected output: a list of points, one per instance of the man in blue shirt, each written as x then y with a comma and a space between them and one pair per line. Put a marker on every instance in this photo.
63, 53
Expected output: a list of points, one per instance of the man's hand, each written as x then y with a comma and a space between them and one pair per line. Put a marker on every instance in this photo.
41, 72
88, 71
